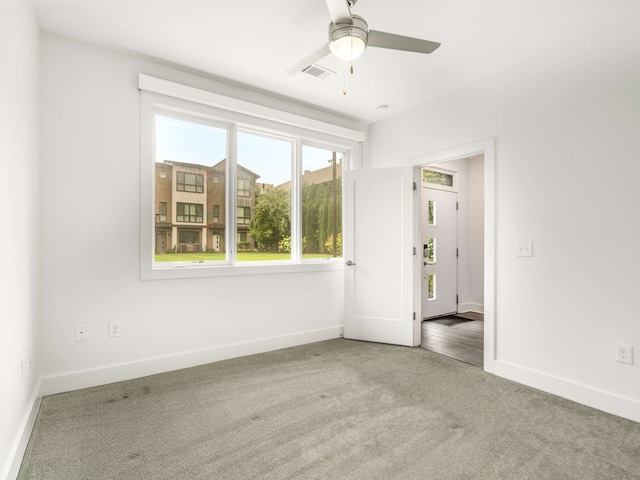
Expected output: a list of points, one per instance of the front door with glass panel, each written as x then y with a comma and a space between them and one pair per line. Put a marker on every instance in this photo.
161, 242
439, 252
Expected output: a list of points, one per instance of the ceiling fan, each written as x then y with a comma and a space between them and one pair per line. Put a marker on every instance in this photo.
349, 36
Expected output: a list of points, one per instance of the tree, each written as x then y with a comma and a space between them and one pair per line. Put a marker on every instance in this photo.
329, 244
317, 214
271, 220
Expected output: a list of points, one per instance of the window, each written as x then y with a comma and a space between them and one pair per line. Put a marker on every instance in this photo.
244, 187
266, 211
162, 212
241, 180
431, 257
190, 182
194, 153
431, 286
321, 202
437, 178
431, 215
188, 236
244, 215
189, 212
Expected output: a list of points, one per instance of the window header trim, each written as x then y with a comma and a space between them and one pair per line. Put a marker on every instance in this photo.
184, 92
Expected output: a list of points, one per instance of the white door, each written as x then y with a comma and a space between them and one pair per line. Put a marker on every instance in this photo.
439, 252
382, 268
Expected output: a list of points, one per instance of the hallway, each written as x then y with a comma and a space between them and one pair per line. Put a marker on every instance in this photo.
458, 336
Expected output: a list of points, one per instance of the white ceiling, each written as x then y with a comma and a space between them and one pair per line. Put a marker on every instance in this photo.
253, 42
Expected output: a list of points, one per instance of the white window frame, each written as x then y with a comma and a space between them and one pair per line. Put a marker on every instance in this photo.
161, 96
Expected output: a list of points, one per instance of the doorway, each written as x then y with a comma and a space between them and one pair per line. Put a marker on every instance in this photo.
396, 262
161, 242
452, 236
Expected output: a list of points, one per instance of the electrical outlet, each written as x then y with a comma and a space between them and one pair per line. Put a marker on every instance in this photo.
81, 333
624, 353
524, 249
115, 329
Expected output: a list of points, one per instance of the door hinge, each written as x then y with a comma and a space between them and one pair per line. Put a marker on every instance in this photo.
414, 315
457, 253
456, 205
456, 299
414, 251
415, 187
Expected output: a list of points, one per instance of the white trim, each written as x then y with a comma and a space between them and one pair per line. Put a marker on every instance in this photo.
589, 396
470, 307
16, 454
241, 268
126, 371
487, 147
176, 90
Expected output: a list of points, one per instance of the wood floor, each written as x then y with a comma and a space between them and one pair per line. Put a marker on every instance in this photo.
462, 341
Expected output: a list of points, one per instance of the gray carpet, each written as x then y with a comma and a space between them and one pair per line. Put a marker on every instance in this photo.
331, 410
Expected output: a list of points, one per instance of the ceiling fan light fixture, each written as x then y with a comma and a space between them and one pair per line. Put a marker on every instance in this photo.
348, 47
347, 41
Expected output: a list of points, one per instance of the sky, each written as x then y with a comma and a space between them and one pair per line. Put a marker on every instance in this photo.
190, 142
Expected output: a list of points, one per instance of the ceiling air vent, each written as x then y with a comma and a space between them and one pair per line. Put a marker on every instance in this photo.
318, 71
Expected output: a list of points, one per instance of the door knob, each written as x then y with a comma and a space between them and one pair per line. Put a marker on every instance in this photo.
350, 263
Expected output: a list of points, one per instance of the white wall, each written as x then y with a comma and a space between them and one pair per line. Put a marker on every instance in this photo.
567, 172
20, 238
91, 186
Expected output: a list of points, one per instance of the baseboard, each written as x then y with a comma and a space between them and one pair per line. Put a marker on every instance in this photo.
589, 396
470, 307
11, 469
126, 371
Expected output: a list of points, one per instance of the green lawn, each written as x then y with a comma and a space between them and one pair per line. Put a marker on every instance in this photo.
242, 257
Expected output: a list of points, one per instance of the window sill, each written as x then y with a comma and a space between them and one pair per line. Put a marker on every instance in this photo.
188, 270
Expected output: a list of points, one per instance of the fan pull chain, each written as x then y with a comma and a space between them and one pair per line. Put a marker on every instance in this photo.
344, 85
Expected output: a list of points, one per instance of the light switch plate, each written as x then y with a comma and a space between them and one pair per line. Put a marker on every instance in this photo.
524, 249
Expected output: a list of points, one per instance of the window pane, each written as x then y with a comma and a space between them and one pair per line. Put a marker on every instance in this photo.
215, 214
431, 258
161, 216
431, 287
437, 178
431, 215
190, 172
321, 202
264, 198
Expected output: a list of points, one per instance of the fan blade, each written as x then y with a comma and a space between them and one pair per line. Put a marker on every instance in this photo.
339, 11
310, 59
398, 42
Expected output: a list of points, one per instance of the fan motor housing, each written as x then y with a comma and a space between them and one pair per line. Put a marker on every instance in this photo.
359, 28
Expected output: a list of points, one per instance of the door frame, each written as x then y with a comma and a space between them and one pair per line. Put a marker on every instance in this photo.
487, 148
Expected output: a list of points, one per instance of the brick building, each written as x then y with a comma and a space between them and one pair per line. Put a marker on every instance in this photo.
190, 202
